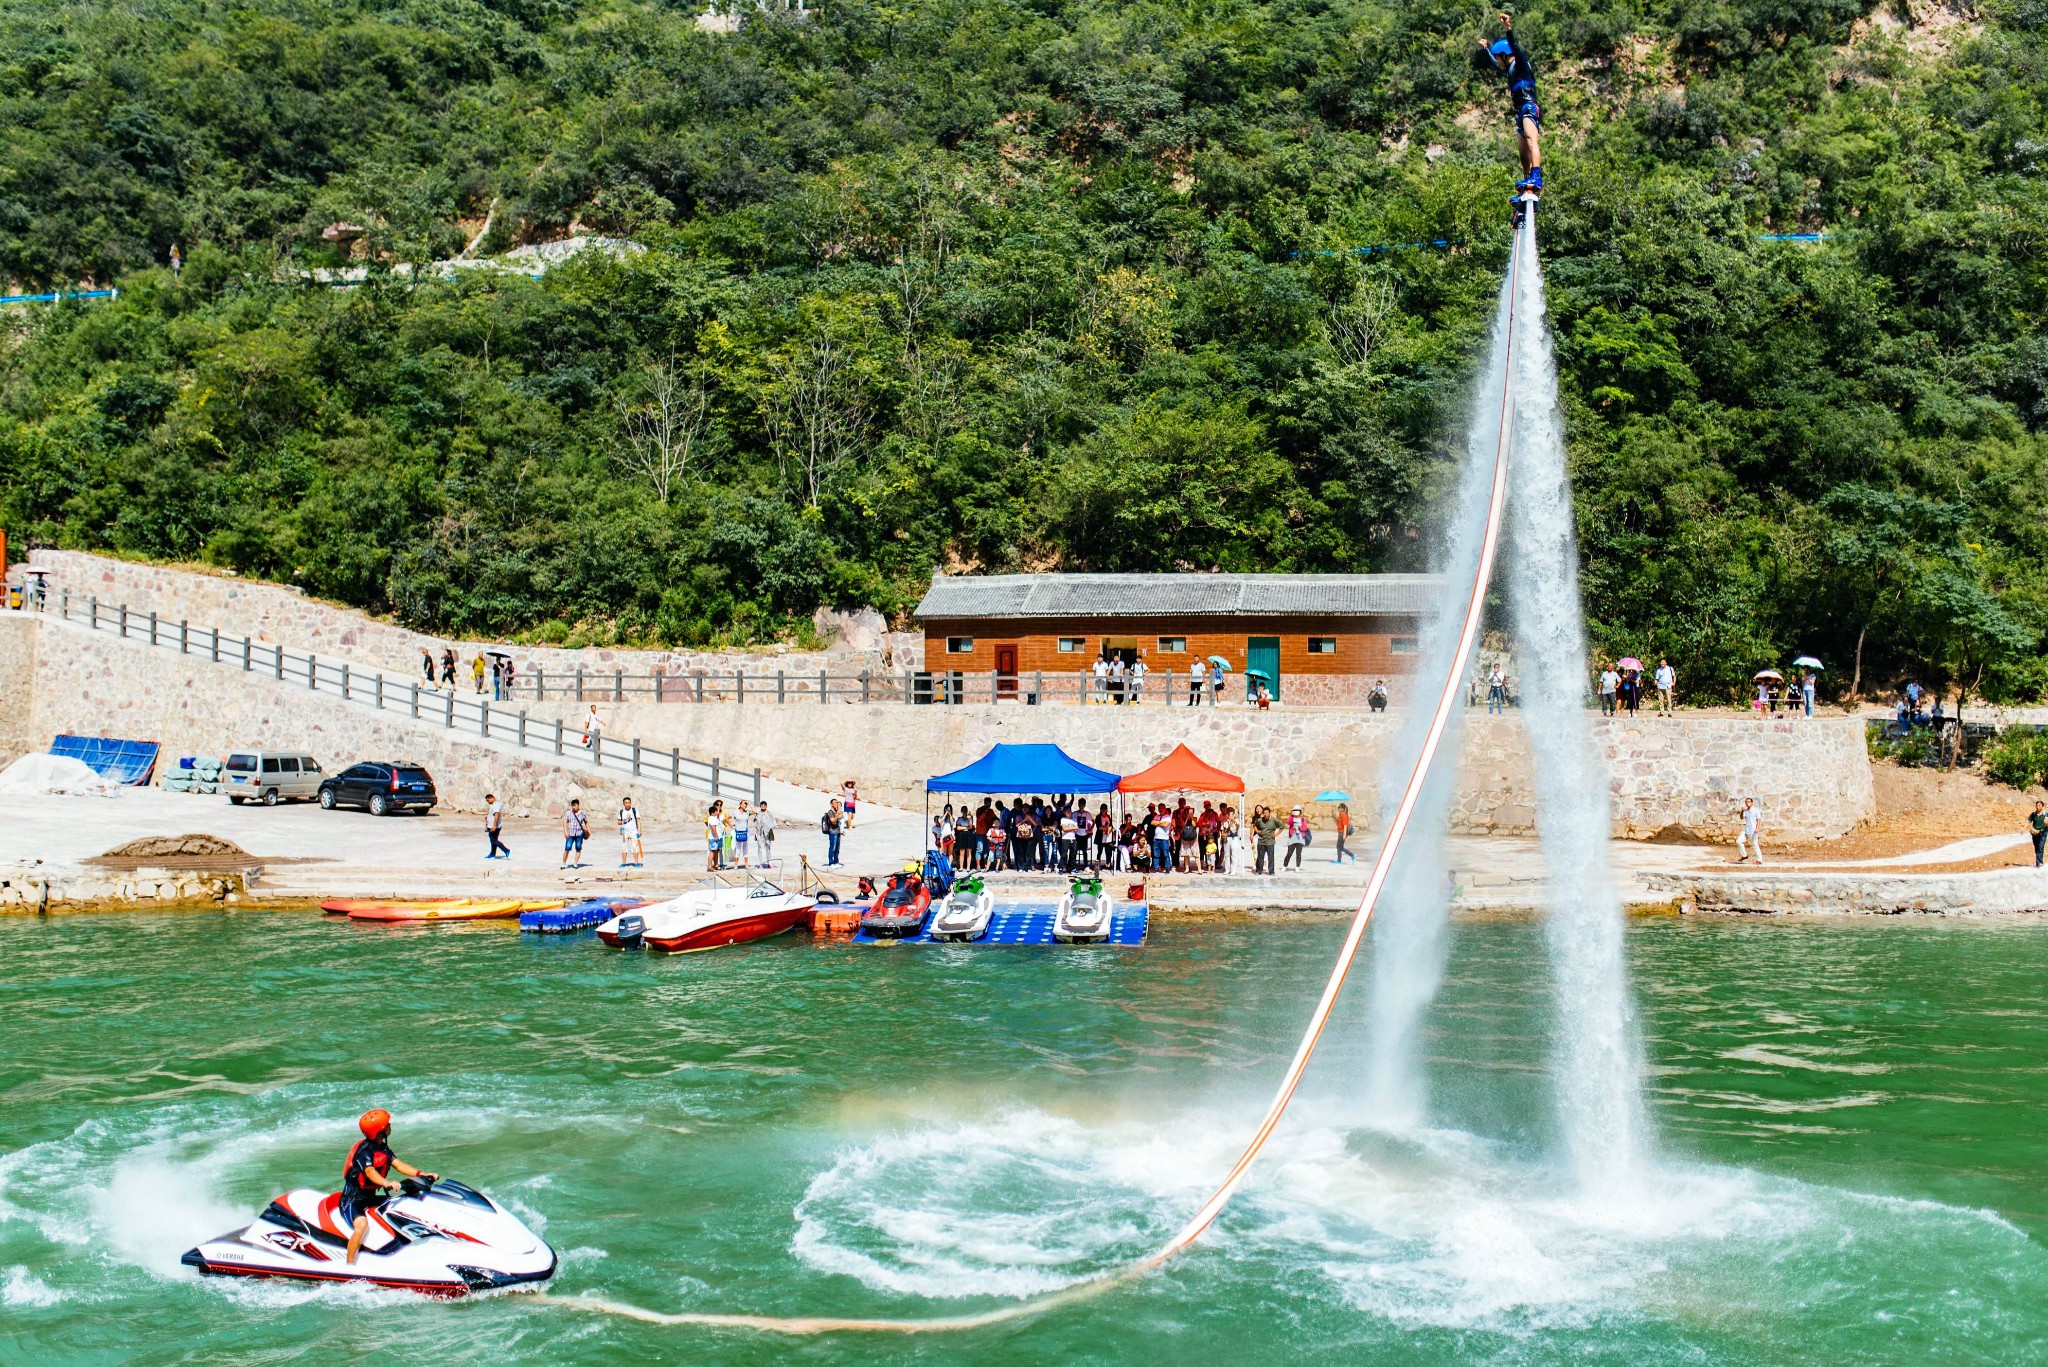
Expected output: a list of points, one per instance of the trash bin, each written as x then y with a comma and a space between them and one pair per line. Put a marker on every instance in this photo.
921, 688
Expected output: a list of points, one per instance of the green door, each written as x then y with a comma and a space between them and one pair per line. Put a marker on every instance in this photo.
1263, 654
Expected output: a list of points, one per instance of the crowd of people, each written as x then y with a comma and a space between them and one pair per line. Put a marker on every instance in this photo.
490, 672
1063, 835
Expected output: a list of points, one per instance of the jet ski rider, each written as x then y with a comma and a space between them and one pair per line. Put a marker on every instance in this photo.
366, 1180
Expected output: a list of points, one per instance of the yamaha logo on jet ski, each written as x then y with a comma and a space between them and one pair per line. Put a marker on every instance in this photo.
437, 1237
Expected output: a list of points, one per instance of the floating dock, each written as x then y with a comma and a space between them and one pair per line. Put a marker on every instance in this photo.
577, 915
1030, 923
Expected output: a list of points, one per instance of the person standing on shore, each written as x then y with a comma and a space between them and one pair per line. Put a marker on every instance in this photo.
833, 824
849, 799
494, 824
1806, 690
764, 836
1297, 839
714, 836
1496, 695
2037, 827
742, 830
1266, 828
1343, 826
593, 731
1667, 684
1609, 681
632, 855
575, 830
1197, 675
1749, 841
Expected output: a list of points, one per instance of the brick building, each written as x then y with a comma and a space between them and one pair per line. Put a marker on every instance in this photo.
1321, 638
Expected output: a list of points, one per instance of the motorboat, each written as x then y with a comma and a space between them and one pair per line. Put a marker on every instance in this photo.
1085, 912
900, 906
728, 912
438, 1237
965, 912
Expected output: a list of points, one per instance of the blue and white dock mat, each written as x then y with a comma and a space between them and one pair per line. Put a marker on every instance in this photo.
1030, 923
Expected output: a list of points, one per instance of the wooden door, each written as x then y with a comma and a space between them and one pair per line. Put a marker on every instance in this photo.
1006, 671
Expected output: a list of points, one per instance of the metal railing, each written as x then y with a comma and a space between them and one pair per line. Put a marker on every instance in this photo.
464, 714
813, 686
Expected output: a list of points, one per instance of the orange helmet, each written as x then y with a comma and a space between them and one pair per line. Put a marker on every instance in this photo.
374, 1123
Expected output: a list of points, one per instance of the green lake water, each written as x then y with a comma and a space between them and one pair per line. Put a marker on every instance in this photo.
1851, 1162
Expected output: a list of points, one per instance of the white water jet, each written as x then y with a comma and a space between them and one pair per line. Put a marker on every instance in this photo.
1598, 1054
1408, 940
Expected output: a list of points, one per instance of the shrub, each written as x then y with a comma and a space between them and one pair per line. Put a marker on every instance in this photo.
2018, 757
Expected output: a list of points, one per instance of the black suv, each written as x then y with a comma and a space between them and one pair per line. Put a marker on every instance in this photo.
382, 788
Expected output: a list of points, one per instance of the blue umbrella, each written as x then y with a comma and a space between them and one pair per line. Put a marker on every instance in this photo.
1332, 795
1219, 662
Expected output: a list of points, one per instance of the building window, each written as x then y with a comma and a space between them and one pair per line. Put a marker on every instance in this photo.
1322, 645
959, 645
1402, 645
1173, 645
1073, 645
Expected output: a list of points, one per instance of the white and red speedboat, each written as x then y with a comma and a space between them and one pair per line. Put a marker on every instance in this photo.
439, 1238
726, 913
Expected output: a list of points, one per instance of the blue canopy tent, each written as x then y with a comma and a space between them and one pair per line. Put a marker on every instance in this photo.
1024, 769
1020, 769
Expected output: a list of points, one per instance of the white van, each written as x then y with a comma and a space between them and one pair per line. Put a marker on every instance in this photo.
270, 777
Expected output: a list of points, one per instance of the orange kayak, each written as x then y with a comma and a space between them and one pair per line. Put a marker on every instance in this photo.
465, 909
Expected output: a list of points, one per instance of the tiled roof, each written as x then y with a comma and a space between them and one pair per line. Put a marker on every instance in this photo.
1179, 595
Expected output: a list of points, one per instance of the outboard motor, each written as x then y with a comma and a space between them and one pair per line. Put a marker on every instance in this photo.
631, 930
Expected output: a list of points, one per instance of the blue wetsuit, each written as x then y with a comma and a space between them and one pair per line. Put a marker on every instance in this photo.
1521, 74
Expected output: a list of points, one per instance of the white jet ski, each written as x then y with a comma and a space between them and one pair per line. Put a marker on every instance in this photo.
439, 1238
1084, 913
965, 913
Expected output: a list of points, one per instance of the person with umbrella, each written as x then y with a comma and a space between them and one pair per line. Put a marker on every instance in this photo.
1218, 667
1342, 821
1763, 679
1632, 683
1807, 680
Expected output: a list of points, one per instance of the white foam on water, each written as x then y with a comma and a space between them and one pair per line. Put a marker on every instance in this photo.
1021, 1203
1436, 1228
22, 1289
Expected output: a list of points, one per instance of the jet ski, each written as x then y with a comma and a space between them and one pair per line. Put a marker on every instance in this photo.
899, 911
1084, 913
965, 912
439, 1238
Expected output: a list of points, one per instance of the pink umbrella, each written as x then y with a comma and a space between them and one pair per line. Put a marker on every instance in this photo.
1630, 662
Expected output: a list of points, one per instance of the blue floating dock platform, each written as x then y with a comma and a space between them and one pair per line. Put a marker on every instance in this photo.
576, 915
1030, 923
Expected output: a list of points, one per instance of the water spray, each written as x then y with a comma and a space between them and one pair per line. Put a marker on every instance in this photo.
1383, 863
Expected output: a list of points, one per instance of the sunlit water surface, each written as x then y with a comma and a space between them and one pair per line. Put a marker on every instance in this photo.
1849, 1121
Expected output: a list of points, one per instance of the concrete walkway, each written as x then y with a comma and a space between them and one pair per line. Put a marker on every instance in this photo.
311, 855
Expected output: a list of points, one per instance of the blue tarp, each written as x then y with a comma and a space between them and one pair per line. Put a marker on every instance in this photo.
123, 761
1024, 769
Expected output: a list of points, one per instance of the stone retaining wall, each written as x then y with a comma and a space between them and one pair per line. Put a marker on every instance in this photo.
275, 612
29, 889
1811, 777
94, 683
1993, 892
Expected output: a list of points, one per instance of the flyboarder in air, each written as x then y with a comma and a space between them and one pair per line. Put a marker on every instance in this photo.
1513, 62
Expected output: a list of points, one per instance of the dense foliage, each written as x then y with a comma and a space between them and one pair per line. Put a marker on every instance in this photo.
1003, 283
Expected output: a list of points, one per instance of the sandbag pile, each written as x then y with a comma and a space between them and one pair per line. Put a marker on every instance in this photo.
194, 774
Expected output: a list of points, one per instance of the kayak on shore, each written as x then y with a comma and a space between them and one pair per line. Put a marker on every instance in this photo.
448, 909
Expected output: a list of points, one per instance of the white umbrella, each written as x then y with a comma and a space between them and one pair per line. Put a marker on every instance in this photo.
1807, 662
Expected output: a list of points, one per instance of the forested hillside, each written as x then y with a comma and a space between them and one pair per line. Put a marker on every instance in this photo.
1034, 283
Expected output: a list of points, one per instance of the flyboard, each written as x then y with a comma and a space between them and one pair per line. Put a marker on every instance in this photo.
1404, 813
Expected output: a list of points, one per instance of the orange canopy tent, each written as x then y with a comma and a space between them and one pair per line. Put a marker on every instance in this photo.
1181, 771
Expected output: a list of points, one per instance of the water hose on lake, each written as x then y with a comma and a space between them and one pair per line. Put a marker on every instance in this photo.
1383, 863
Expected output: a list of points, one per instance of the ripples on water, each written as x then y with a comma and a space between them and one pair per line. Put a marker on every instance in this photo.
1851, 1170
